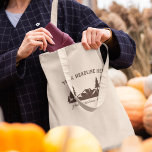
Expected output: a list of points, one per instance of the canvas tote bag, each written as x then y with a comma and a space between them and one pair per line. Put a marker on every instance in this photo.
81, 93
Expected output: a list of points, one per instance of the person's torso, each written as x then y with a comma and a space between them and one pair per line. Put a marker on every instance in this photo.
30, 92
27, 96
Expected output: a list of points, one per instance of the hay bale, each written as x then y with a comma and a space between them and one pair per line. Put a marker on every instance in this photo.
133, 22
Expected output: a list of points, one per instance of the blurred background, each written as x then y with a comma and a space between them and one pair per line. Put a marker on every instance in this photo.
135, 18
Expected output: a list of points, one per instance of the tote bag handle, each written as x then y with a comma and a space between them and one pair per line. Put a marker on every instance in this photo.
54, 12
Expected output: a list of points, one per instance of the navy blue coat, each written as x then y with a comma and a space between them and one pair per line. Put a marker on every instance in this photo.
23, 95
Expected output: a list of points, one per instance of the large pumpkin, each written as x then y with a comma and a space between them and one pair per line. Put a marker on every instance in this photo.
147, 119
70, 139
118, 77
21, 137
133, 101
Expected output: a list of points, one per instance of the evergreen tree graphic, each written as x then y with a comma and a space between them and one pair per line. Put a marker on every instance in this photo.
97, 84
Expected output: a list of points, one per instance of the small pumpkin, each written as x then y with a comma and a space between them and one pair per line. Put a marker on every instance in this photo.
70, 139
118, 77
133, 101
147, 118
21, 137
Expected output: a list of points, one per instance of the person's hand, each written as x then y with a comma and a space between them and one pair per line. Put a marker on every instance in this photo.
33, 40
93, 38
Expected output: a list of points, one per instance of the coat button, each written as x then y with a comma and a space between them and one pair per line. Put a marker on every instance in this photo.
37, 24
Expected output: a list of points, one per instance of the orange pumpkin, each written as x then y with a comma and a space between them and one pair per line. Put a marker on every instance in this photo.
147, 119
146, 145
21, 137
133, 101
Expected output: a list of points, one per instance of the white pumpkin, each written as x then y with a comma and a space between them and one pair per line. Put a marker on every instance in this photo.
148, 86
118, 77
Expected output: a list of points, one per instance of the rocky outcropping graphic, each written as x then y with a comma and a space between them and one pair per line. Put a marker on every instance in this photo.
86, 94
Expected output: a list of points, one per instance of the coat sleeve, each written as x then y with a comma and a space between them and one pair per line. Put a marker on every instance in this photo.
80, 17
126, 49
9, 73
